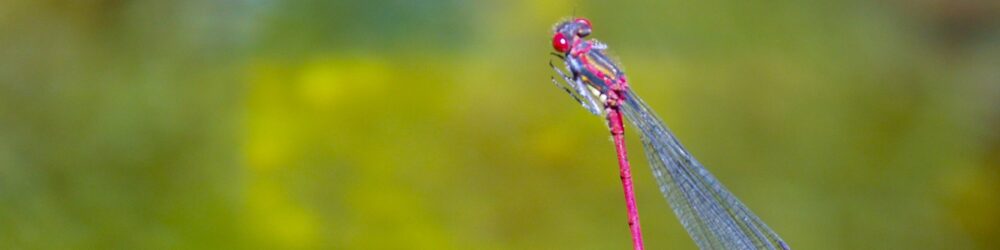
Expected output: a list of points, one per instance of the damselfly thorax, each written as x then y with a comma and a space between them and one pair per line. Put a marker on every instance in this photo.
594, 78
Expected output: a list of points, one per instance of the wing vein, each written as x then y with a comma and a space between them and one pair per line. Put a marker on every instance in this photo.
712, 215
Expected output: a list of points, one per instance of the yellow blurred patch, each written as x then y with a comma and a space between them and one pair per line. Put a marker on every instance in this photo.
972, 201
269, 139
274, 216
269, 143
327, 81
273, 130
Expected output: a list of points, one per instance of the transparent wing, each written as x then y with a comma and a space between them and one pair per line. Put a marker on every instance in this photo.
713, 217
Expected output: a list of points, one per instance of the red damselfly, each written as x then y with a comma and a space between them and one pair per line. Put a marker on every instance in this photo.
712, 216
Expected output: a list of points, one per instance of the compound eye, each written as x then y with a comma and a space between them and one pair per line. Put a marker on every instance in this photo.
583, 21
560, 43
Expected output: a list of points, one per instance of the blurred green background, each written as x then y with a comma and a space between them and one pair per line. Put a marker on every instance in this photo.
433, 125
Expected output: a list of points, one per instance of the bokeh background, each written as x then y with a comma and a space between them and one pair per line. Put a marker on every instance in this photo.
433, 125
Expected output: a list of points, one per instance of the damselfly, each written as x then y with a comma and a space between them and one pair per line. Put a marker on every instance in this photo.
713, 217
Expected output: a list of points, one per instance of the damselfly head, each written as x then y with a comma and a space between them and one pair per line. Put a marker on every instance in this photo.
568, 33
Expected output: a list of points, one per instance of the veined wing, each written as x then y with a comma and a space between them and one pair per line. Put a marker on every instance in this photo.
713, 217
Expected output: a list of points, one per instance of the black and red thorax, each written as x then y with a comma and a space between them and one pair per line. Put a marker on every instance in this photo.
588, 62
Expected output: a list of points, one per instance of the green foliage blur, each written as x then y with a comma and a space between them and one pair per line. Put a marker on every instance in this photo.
433, 125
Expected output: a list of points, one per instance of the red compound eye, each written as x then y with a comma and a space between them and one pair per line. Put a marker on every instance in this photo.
560, 43
583, 21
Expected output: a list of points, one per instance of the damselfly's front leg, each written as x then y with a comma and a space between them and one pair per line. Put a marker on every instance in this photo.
579, 90
563, 87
